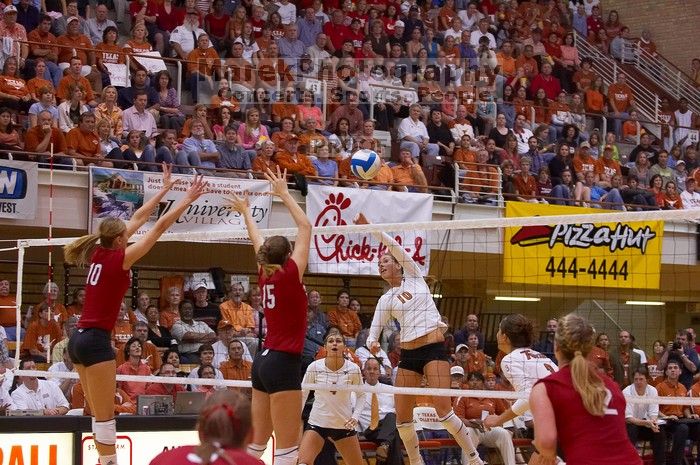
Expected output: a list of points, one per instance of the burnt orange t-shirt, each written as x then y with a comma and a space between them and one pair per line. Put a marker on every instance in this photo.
621, 95
84, 142
64, 85
13, 86
666, 390
106, 53
73, 46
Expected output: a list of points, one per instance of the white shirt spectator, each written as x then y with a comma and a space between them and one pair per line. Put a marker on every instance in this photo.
183, 36
476, 35
180, 328
386, 406
451, 32
317, 54
58, 367
411, 128
640, 411
642, 356
47, 396
469, 23
363, 354
523, 137
5, 398
288, 12
691, 200
221, 354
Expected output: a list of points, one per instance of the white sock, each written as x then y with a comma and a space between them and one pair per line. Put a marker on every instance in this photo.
256, 450
454, 425
108, 459
286, 456
410, 442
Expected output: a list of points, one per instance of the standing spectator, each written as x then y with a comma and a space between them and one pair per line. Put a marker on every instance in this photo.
546, 343
686, 120
471, 325
685, 357
642, 419
191, 334
38, 394
677, 430
624, 361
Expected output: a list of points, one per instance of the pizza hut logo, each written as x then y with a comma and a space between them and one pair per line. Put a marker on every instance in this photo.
340, 248
584, 236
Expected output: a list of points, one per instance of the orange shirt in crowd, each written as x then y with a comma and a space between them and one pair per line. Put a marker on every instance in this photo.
236, 370
583, 164
525, 187
36, 83
239, 315
168, 318
476, 362
150, 355
621, 95
403, 174
73, 46
204, 62
595, 101
347, 320
38, 40
261, 164
8, 316
64, 85
609, 167
109, 53
601, 360
470, 408
13, 86
695, 392
664, 389
85, 143
300, 164
133, 388
384, 174
629, 130
41, 337
122, 401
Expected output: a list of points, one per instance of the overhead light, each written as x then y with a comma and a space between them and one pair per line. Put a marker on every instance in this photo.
436, 296
651, 303
516, 299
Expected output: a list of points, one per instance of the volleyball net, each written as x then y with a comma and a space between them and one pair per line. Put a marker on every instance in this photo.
623, 271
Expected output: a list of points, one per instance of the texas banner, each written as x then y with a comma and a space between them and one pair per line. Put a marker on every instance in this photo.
119, 193
620, 255
358, 254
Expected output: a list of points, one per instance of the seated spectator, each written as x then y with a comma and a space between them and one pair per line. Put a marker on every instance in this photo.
13, 89
167, 370
350, 111
251, 132
143, 301
138, 43
235, 367
8, 311
191, 334
291, 160
232, 156
150, 351
690, 197
204, 372
46, 103
122, 332
635, 196
82, 143
414, 134
606, 165
134, 365
525, 183
171, 116
37, 82
201, 151
203, 64
564, 191
656, 186
345, 319
65, 365
109, 110
70, 110
138, 85
266, 157
138, 149
240, 315
38, 394
172, 357
42, 335
170, 313
138, 118
621, 101
97, 25
409, 173
662, 169
641, 169
159, 335
43, 137
9, 136
671, 199
325, 167
680, 174
224, 119
363, 354
168, 151
310, 138
72, 78
108, 143
182, 38
546, 81
472, 408
42, 48
206, 357
642, 419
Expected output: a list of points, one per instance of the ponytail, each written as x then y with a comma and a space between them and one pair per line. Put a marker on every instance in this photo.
79, 252
272, 254
588, 384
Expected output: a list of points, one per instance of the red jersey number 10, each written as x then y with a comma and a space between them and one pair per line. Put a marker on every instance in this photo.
268, 296
94, 274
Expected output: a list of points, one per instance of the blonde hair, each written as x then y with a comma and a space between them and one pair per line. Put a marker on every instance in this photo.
273, 253
574, 339
79, 252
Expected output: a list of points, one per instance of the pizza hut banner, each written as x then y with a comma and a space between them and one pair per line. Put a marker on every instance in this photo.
358, 254
620, 255
120, 193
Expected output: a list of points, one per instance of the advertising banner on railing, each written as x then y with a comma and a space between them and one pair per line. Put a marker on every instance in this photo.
619, 255
18, 189
358, 254
119, 193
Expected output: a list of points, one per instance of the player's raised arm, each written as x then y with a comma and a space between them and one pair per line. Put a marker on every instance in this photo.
142, 214
242, 206
140, 248
395, 249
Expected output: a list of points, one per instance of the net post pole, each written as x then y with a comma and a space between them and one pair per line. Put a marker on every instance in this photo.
18, 300
50, 270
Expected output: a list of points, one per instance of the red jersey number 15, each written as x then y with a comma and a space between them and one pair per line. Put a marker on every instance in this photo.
268, 296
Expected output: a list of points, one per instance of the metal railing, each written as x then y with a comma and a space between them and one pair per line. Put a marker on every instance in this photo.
647, 102
663, 73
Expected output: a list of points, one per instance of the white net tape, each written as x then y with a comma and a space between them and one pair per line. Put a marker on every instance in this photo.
378, 388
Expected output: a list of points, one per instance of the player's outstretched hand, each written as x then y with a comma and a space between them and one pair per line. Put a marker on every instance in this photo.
199, 186
168, 181
360, 219
239, 204
278, 181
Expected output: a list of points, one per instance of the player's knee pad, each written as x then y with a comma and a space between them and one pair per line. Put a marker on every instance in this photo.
286, 456
256, 450
105, 432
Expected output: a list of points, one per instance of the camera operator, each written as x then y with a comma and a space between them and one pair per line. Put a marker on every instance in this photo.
685, 355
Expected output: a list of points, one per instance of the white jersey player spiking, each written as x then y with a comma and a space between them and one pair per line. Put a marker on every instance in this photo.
521, 366
423, 353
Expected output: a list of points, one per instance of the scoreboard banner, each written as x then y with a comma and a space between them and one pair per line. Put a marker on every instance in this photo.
619, 255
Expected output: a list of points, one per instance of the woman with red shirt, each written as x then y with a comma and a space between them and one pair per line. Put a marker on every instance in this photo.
277, 398
108, 279
168, 17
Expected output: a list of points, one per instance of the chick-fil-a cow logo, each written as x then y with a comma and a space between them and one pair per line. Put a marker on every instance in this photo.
338, 209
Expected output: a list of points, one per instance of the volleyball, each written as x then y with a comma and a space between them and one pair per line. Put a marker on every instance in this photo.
365, 164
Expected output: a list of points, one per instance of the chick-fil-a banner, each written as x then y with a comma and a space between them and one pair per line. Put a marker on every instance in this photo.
358, 254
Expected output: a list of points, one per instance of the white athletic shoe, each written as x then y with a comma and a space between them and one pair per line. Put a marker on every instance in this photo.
476, 460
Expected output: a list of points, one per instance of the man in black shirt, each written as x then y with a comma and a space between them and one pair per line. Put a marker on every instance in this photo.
205, 311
